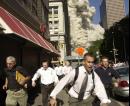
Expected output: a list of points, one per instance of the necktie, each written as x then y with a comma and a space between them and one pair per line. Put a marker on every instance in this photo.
83, 88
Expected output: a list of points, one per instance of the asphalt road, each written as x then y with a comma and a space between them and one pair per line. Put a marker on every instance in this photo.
121, 101
63, 98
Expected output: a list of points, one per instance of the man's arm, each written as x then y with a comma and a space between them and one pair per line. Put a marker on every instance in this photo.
62, 83
56, 80
35, 77
24, 81
100, 91
115, 74
24, 73
5, 86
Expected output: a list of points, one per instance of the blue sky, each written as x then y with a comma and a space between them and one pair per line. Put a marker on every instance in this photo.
96, 3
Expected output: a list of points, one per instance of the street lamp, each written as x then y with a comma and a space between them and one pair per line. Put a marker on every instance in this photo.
124, 44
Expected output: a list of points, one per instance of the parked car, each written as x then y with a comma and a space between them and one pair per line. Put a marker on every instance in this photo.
123, 85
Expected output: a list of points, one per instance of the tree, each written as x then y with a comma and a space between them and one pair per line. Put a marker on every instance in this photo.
95, 46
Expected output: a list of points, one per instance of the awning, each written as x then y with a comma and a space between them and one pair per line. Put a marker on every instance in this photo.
12, 25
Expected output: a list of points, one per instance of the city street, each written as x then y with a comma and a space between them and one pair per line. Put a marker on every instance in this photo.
41, 41
63, 98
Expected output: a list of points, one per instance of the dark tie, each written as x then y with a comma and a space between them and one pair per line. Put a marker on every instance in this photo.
83, 88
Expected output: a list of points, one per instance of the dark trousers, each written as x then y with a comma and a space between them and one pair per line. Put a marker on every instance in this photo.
108, 88
96, 102
46, 90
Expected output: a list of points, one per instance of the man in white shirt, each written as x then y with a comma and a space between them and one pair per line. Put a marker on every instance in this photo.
67, 68
48, 80
80, 92
59, 71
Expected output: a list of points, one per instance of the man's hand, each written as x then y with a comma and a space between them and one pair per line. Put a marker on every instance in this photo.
22, 82
115, 84
33, 83
52, 102
26, 86
5, 87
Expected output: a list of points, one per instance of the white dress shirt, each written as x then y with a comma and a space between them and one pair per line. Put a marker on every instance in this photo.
59, 70
67, 70
74, 91
47, 76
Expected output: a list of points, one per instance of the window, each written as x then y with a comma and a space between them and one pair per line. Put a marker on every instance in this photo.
55, 11
50, 24
56, 22
50, 10
56, 27
55, 32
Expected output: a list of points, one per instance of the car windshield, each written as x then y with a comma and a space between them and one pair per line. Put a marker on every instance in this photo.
123, 71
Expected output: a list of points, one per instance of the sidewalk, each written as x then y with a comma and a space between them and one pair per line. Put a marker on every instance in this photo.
62, 99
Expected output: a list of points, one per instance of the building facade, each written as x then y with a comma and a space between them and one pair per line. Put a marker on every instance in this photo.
111, 11
32, 12
57, 26
24, 32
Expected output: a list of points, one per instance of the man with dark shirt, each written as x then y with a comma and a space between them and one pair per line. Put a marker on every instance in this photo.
106, 74
16, 79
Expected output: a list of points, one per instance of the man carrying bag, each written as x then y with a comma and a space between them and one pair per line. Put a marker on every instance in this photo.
80, 92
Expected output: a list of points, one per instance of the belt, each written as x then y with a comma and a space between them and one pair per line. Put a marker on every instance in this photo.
15, 90
47, 84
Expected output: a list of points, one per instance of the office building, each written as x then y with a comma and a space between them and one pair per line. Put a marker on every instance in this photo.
111, 11
58, 26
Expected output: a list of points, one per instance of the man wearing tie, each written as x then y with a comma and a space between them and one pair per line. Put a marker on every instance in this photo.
87, 82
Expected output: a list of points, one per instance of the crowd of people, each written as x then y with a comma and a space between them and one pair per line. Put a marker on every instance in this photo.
90, 85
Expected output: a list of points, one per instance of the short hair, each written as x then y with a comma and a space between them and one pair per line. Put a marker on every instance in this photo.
11, 58
67, 62
88, 54
104, 57
45, 61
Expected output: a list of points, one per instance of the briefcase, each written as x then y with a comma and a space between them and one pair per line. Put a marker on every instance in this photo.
19, 76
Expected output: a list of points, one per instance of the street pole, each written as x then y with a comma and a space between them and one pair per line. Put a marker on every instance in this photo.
124, 48
114, 51
98, 56
78, 60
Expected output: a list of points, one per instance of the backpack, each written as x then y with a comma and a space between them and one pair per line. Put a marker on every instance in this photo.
76, 77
